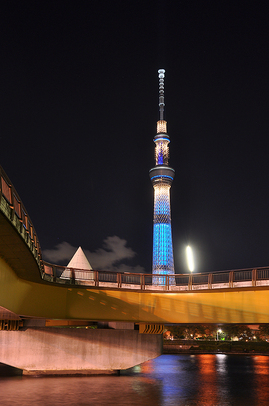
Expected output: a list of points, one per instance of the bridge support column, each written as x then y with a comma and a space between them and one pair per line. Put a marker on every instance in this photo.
76, 350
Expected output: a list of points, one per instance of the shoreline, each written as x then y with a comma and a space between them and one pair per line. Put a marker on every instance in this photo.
216, 347
214, 353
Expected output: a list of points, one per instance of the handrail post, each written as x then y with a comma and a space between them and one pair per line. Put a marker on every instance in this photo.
119, 280
143, 282
190, 282
0, 184
254, 277
96, 277
73, 276
12, 203
54, 273
231, 279
210, 279
166, 282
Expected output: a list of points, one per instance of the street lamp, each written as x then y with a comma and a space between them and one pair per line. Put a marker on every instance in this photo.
190, 261
218, 331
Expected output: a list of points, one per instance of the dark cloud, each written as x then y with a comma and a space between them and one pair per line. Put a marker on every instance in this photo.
62, 252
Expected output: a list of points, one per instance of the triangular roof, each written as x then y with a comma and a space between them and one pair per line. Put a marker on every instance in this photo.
79, 260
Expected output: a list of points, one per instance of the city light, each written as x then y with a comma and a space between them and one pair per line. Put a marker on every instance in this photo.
219, 331
190, 261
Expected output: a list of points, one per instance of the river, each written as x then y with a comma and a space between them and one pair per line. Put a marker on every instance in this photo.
189, 380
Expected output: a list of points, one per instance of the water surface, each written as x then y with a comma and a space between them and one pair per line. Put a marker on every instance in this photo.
200, 380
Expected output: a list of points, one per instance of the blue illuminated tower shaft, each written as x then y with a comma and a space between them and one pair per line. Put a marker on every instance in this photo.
162, 177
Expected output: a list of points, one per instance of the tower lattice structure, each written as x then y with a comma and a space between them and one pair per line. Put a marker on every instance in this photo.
162, 177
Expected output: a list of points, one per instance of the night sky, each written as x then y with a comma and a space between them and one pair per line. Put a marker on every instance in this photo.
79, 106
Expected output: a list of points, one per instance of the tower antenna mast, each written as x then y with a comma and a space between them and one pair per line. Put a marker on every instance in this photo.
161, 73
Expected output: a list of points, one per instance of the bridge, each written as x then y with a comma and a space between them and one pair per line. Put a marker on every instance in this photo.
34, 291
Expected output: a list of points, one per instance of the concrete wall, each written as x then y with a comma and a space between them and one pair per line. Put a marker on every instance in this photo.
71, 349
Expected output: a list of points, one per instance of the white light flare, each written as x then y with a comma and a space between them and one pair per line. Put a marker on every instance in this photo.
190, 261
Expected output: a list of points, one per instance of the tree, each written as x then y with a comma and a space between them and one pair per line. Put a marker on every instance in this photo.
177, 331
264, 331
241, 331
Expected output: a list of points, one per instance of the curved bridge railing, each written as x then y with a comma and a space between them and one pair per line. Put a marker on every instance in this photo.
178, 282
12, 207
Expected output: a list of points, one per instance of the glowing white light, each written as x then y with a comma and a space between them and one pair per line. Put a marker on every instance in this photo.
162, 152
161, 126
219, 331
190, 258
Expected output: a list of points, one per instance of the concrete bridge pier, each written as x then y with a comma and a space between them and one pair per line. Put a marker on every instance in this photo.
54, 350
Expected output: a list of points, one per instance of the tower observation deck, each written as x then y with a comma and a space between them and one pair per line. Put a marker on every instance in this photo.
162, 177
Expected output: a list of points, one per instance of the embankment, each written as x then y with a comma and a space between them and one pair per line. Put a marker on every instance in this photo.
208, 347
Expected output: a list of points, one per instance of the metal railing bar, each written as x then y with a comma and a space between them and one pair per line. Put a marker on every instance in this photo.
125, 280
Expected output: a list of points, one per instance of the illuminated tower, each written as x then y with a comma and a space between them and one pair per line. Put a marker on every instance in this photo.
162, 177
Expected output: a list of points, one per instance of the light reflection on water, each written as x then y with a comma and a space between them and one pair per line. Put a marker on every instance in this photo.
189, 380
261, 378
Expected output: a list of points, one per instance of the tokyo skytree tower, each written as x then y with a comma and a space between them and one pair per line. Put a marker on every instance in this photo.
162, 177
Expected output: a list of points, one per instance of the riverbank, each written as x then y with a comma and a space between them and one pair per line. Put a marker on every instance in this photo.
213, 347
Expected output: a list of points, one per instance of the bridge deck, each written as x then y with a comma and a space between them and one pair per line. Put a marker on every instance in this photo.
79, 302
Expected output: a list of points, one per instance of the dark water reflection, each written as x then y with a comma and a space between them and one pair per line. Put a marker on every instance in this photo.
201, 380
